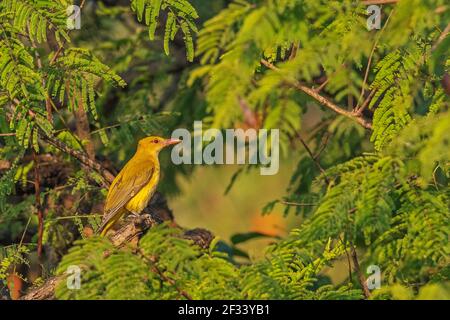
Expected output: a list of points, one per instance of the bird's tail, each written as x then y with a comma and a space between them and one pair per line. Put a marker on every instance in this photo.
109, 223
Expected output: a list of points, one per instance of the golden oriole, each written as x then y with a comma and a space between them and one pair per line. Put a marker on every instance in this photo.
136, 183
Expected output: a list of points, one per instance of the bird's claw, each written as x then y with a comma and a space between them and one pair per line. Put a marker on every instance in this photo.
133, 216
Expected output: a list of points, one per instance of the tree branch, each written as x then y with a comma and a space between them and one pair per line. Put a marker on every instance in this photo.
153, 260
80, 156
61, 47
316, 162
370, 2
361, 278
359, 109
82, 129
441, 38
37, 192
381, 2
130, 233
322, 100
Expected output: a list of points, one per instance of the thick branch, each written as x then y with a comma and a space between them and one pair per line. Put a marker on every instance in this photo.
322, 100
130, 233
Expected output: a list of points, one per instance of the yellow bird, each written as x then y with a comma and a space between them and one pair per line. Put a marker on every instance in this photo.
136, 183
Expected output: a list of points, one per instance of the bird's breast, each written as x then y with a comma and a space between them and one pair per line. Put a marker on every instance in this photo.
141, 199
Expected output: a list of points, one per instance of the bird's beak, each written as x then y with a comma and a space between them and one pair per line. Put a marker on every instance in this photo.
169, 142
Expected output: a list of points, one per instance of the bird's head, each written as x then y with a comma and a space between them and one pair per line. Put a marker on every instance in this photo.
155, 144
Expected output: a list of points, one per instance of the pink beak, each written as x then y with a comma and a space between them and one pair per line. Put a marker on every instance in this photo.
169, 142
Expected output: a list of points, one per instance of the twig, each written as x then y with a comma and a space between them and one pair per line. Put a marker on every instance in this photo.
322, 100
323, 146
249, 116
348, 260
366, 102
370, 2
154, 260
369, 63
359, 110
80, 156
65, 124
21, 241
319, 88
293, 53
37, 191
288, 203
83, 130
48, 106
438, 10
75, 216
61, 47
313, 158
441, 37
361, 278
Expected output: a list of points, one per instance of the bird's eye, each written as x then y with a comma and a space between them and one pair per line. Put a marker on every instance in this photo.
155, 141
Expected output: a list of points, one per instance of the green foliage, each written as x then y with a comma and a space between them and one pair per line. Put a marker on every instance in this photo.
395, 75
170, 267
11, 256
379, 190
37, 17
180, 16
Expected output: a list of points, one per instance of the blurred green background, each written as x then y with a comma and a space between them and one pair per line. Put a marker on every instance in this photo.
202, 203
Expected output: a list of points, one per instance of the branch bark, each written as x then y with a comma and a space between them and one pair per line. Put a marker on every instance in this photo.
322, 100
130, 233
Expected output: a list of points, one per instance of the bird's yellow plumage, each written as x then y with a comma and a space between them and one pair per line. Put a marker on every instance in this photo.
136, 183
140, 200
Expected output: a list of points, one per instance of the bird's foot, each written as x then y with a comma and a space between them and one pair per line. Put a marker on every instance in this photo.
133, 216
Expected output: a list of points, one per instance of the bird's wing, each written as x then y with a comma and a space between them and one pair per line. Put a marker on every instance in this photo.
133, 177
